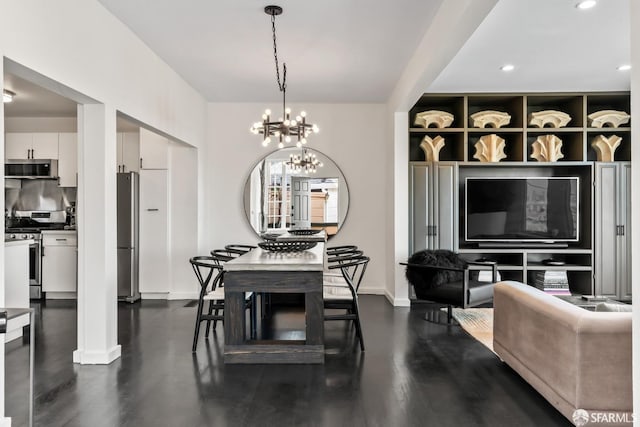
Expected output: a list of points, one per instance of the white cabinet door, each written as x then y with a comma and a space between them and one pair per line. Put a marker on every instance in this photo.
154, 258
18, 145
59, 266
131, 151
68, 159
45, 145
154, 150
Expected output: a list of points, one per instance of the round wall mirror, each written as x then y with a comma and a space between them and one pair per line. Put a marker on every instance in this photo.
296, 188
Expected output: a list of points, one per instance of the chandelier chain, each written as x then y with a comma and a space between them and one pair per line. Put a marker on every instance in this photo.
282, 86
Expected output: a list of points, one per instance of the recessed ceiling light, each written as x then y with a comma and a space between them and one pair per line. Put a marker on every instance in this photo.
586, 4
7, 95
624, 67
507, 67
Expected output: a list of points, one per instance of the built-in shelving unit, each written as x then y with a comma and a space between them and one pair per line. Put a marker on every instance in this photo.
437, 188
576, 136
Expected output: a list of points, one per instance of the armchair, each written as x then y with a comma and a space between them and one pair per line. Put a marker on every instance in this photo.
443, 277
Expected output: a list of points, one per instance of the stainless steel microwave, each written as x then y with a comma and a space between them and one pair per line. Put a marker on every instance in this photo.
31, 168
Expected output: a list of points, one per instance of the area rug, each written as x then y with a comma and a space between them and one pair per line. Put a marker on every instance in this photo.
477, 322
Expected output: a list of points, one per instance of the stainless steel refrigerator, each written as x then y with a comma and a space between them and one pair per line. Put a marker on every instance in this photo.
128, 257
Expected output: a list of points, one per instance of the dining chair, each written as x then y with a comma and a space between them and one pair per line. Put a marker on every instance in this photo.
209, 272
335, 275
337, 250
239, 249
338, 296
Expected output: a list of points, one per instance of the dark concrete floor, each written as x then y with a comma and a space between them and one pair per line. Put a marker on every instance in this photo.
413, 373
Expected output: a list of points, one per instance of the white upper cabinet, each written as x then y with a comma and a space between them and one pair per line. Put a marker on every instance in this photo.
27, 145
154, 150
68, 159
45, 145
18, 145
128, 152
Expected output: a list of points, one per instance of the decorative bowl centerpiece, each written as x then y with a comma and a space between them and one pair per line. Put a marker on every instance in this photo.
304, 231
291, 246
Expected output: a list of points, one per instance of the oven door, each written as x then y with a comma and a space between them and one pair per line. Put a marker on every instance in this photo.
35, 270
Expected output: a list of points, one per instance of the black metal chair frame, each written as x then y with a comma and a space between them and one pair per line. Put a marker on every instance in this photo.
464, 288
215, 264
239, 249
351, 304
338, 250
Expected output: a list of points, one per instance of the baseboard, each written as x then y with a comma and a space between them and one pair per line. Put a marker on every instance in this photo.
397, 302
154, 295
370, 291
97, 357
60, 295
5, 422
183, 295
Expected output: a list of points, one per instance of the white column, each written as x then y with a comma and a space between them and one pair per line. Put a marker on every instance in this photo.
97, 254
400, 217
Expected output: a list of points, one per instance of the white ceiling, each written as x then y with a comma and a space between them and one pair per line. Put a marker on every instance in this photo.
32, 100
355, 50
335, 50
553, 45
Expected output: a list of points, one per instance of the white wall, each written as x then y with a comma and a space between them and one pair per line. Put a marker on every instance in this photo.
353, 135
40, 124
634, 17
183, 218
81, 51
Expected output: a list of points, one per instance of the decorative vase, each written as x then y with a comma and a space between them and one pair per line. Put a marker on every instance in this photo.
547, 148
441, 119
554, 118
483, 119
432, 147
490, 148
606, 147
611, 117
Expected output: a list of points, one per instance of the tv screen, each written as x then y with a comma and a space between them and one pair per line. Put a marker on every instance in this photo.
522, 209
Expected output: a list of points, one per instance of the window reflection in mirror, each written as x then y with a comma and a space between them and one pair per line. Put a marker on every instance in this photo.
278, 197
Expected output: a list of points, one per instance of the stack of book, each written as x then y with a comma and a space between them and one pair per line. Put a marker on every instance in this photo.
552, 282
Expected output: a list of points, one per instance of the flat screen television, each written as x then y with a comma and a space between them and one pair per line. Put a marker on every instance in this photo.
531, 209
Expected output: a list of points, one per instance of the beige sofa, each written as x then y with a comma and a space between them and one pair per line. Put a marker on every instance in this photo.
575, 358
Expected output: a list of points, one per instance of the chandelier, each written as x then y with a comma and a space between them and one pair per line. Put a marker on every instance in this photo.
305, 162
285, 129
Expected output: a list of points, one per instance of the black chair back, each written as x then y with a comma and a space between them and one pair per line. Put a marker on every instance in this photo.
239, 249
204, 267
353, 271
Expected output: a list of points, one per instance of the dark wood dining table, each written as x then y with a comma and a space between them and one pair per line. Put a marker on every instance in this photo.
265, 272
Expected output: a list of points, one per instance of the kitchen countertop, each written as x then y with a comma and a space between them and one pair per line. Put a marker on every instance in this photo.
18, 242
67, 232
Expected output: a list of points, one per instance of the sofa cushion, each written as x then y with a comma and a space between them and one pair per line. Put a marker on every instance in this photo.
608, 306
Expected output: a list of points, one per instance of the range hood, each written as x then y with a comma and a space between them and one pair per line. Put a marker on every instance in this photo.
31, 169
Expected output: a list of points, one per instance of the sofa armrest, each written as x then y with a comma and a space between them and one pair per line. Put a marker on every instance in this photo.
604, 361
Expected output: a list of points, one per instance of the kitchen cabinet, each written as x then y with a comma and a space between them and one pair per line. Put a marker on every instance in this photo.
59, 263
68, 159
154, 150
28, 145
153, 239
128, 152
